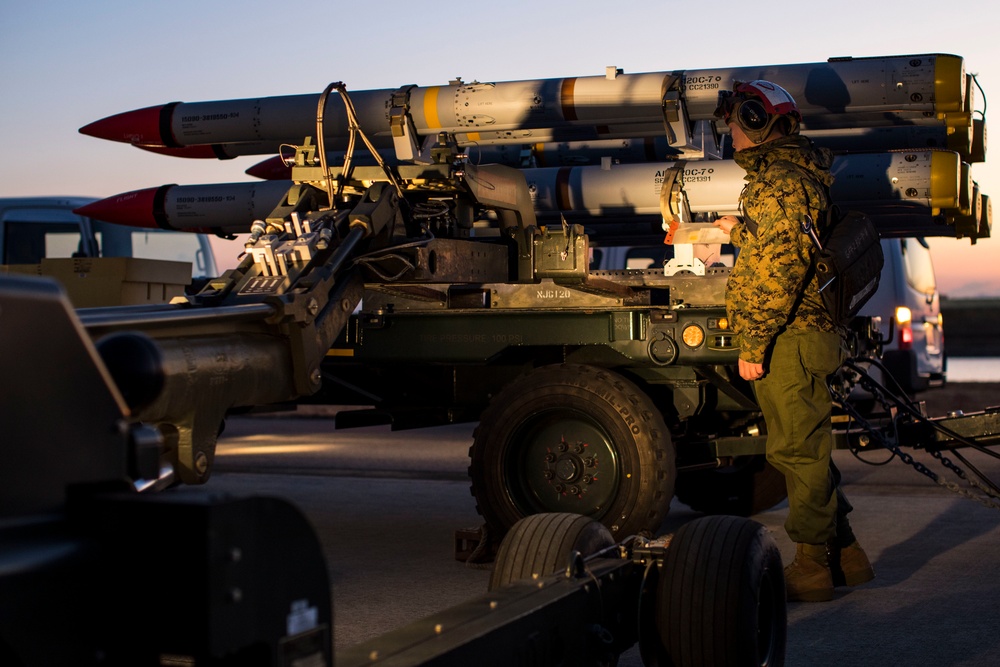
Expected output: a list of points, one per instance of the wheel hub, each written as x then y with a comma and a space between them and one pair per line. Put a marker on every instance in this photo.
567, 464
566, 468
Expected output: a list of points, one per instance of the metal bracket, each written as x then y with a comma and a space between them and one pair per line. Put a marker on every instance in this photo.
404, 132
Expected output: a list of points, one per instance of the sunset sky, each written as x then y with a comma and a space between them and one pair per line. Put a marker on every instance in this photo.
65, 64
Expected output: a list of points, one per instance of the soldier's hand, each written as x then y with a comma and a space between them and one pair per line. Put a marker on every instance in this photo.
750, 371
726, 223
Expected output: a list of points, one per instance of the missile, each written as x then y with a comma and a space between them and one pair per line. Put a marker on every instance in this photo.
930, 89
222, 209
925, 179
234, 150
566, 153
911, 188
215, 151
625, 151
648, 149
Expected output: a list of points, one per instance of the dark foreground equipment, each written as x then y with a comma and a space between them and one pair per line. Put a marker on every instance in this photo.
563, 593
96, 573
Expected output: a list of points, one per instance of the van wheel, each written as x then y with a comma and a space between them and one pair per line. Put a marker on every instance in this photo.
573, 438
749, 486
721, 596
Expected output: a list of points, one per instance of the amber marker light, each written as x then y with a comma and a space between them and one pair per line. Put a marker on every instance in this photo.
693, 335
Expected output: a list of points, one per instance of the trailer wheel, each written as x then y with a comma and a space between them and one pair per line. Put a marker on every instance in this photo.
577, 439
749, 486
721, 596
542, 544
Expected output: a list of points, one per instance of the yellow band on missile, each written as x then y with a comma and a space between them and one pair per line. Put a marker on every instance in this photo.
340, 352
567, 99
539, 151
946, 173
431, 108
949, 83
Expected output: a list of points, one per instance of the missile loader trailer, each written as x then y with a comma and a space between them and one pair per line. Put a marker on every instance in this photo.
593, 388
565, 590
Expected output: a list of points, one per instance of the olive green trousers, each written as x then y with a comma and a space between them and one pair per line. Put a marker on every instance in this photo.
796, 404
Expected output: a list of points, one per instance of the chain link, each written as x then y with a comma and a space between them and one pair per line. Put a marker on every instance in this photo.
985, 502
972, 481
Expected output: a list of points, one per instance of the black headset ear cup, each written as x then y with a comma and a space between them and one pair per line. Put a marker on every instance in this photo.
753, 115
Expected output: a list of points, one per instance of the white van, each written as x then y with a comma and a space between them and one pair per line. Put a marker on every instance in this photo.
907, 302
33, 228
910, 307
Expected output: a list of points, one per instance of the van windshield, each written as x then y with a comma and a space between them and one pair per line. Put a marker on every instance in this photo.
918, 266
29, 242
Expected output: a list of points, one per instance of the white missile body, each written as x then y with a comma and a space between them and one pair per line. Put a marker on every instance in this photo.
927, 179
923, 90
922, 183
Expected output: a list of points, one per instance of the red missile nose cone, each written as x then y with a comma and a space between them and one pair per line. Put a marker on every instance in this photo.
141, 126
271, 169
135, 208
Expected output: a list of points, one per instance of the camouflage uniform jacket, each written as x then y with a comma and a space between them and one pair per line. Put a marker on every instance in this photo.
766, 291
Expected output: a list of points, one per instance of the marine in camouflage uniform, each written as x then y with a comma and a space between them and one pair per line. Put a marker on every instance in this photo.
780, 321
789, 344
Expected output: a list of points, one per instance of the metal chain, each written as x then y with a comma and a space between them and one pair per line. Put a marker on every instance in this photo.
952, 486
880, 392
972, 481
923, 469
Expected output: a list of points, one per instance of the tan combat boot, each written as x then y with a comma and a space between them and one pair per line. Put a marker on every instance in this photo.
808, 578
849, 565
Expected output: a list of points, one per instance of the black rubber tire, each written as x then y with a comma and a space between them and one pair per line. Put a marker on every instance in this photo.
721, 596
545, 434
750, 486
541, 544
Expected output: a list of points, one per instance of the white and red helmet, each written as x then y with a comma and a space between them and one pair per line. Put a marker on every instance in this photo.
756, 106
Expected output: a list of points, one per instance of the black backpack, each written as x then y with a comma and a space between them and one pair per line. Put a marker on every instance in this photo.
848, 258
848, 262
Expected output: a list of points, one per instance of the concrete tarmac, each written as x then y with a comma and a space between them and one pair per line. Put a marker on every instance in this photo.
386, 506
